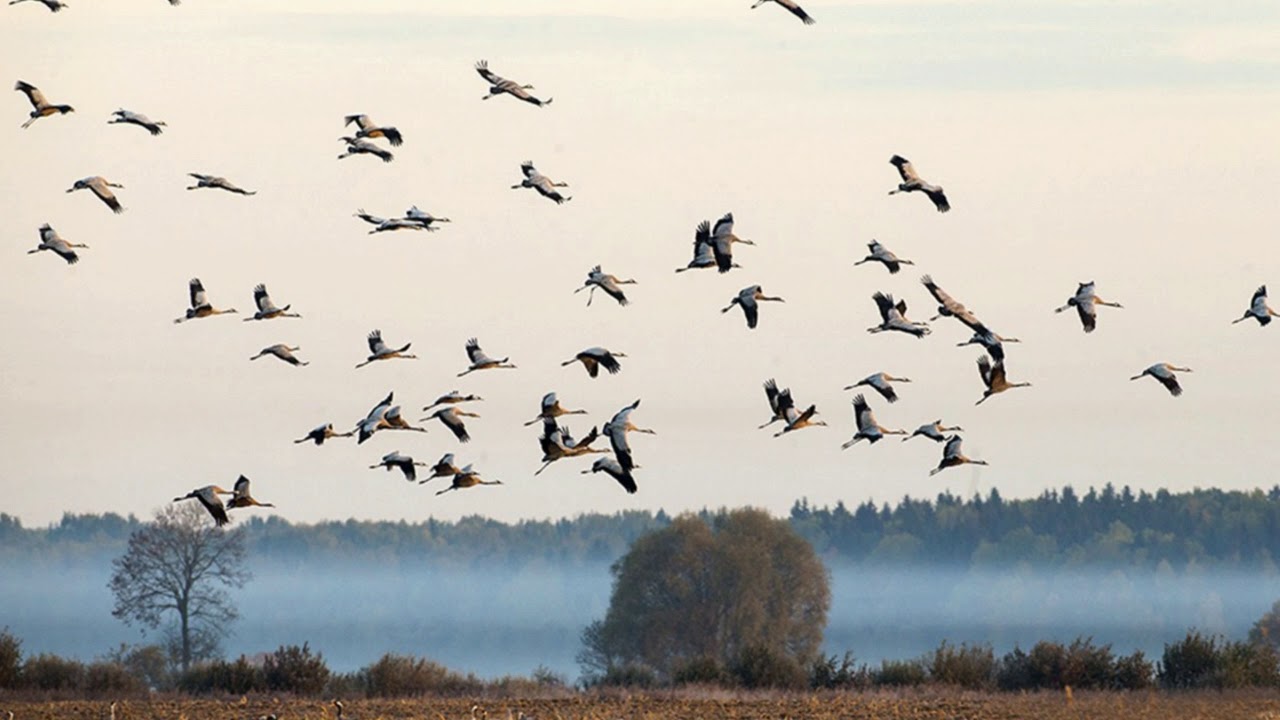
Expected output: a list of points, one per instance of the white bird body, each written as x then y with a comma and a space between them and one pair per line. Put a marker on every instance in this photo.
616, 430
1258, 308
1085, 301
41, 107
1164, 372
499, 85
102, 188
594, 358
267, 310
217, 183
720, 239
911, 182
481, 361
52, 241
200, 307
545, 186
880, 382
881, 254
380, 351
322, 433
208, 497
749, 299
133, 118
935, 431
374, 420
868, 428
282, 351
952, 457
370, 129
610, 284
893, 317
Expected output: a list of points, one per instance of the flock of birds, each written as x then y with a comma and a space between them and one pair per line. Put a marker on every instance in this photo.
713, 247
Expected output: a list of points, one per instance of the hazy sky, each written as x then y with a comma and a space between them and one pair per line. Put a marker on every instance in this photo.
1131, 143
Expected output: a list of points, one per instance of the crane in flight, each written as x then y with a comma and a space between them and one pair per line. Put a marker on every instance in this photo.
614, 469
893, 316
545, 186
1258, 308
994, 379
791, 7
499, 85
322, 433
380, 351
880, 382
217, 183
267, 310
52, 241
467, 478
133, 118
208, 497
952, 457
282, 351
403, 463
610, 284
1086, 302
40, 106
480, 361
911, 182
749, 299
868, 428
370, 129
594, 358
102, 188
1164, 372
881, 254
241, 497
200, 307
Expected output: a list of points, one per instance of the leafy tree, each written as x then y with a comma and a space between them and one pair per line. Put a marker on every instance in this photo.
181, 565
1266, 631
712, 587
10, 659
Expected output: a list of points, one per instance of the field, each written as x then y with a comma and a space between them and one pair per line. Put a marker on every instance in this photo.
907, 705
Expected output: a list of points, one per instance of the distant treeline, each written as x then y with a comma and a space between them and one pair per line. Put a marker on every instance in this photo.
1106, 528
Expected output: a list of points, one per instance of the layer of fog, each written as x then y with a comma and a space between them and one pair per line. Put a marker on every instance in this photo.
509, 622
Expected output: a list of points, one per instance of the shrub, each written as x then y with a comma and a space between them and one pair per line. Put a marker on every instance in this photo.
402, 675
294, 669
1087, 666
103, 678
547, 678
10, 659
1047, 663
1014, 671
1243, 664
968, 666
760, 666
1189, 663
900, 673
237, 678
50, 672
829, 673
629, 675
704, 670
1133, 672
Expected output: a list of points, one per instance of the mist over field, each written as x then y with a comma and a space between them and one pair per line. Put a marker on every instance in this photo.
498, 620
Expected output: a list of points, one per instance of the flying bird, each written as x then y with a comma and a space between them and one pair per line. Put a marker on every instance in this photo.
893, 316
373, 421
597, 278
322, 433
616, 430
267, 310
868, 428
880, 383
721, 240
102, 188
370, 129
200, 306
453, 397
133, 118
360, 146
703, 254
403, 463
499, 85
934, 431
994, 378
241, 496
389, 224
881, 254
948, 307
993, 342
282, 351
911, 182
443, 468
799, 420
791, 7
558, 442
467, 478
951, 456
452, 418
208, 497
1258, 308
551, 409
393, 420
54, 6
42, 107
51, 240
1164, 372
1085, 301
218, 183
424, 218
596, 357
380, 351
480, 361
779, 402
543, 184
748, 299
614, 469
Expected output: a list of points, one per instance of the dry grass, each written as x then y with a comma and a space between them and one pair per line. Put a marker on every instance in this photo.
906, 705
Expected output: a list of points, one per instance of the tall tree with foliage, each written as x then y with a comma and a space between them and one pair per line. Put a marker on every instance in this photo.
712, 587
181, 566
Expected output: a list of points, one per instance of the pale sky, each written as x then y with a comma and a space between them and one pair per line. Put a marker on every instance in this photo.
1131, 143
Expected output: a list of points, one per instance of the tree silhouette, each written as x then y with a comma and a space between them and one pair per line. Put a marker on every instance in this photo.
180, 564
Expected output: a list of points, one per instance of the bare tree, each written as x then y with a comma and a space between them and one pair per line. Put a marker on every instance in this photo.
181, 564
